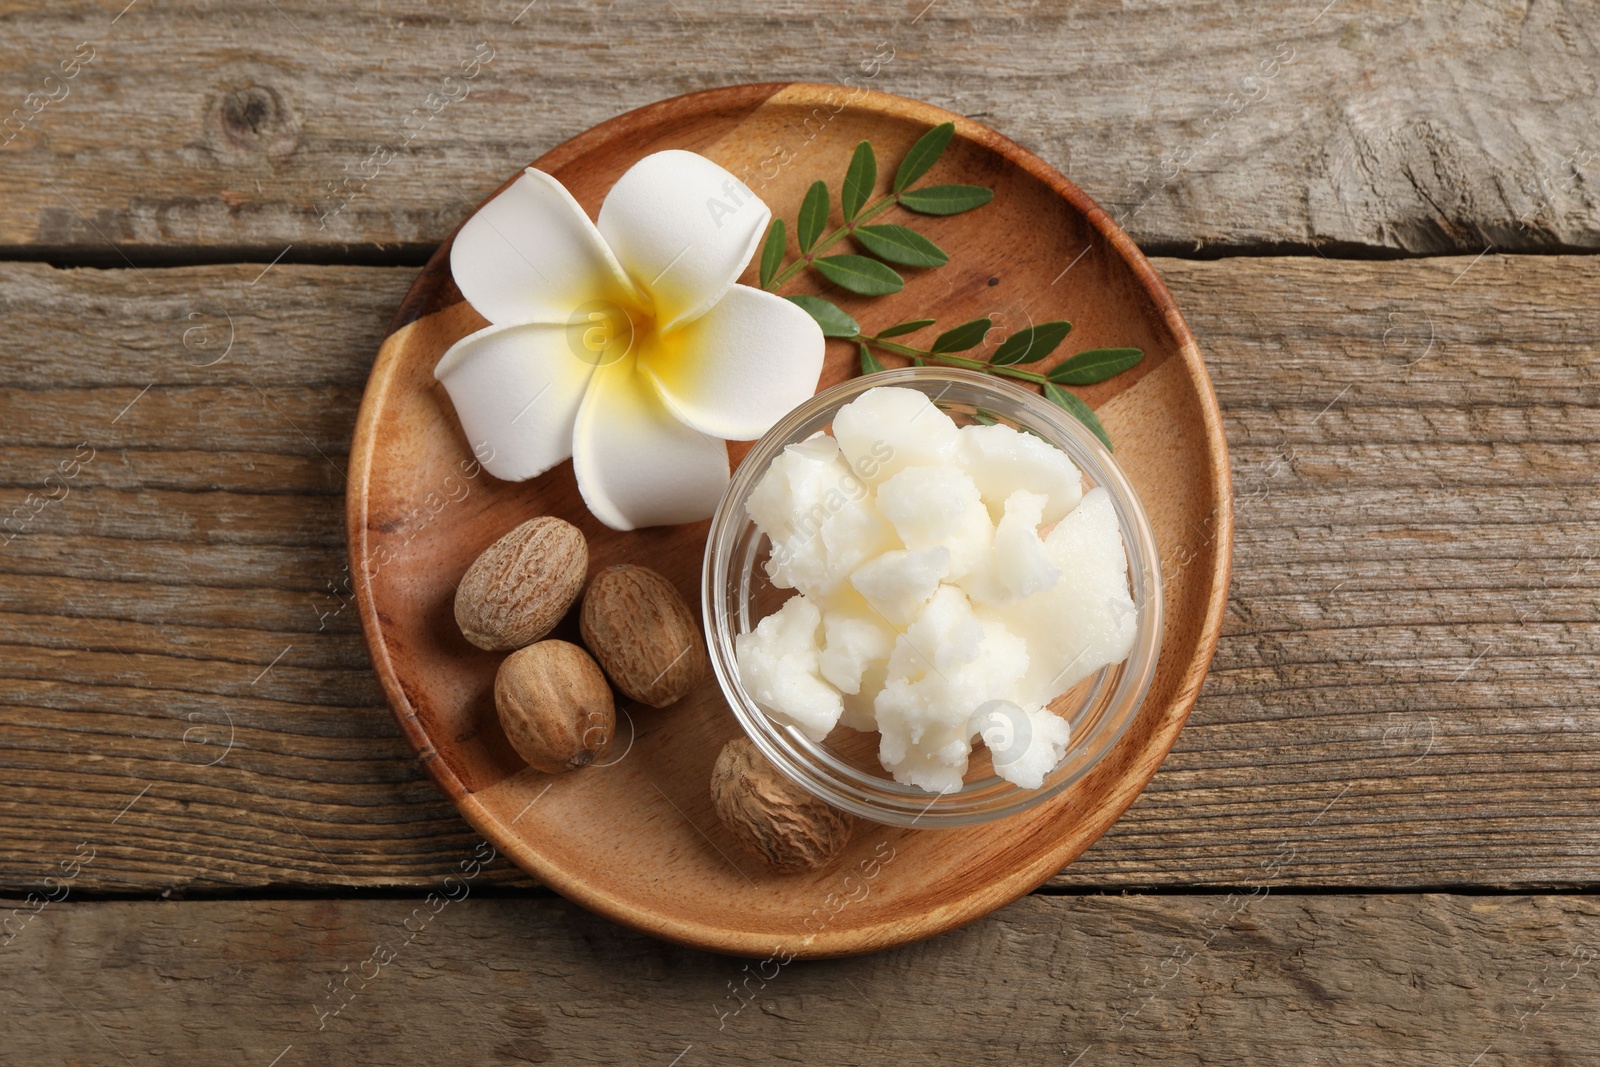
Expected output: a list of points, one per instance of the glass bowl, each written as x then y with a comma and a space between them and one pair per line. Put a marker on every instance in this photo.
843, 769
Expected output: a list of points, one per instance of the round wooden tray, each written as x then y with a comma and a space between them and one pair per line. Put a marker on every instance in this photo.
637, 840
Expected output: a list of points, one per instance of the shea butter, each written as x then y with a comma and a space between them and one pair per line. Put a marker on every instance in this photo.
950, 582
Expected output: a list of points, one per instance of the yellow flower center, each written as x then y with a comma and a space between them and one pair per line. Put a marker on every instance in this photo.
603, 332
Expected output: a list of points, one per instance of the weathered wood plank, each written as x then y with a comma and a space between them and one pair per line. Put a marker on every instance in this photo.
1402, 696
1348, 981
1413, 127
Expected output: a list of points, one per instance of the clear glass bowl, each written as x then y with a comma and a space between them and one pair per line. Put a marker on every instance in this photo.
844, 769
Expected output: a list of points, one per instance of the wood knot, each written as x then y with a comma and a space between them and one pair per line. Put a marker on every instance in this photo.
253, 121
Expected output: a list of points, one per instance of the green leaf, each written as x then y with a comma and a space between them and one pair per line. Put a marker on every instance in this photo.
946, 199
813, 215
900, 245
967, 335
859, 275
869, 362
924, 154
984, 417
905, 327
772, 253
1031, 343
1078, 409
859, 179
834, 322
1095, 365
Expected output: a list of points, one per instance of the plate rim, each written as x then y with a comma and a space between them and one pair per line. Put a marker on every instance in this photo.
944, 915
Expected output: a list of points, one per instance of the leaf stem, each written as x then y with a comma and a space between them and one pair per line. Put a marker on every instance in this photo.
952, 360
827, 242
890, 346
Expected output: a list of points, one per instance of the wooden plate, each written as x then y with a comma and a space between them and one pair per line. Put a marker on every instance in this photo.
637, 840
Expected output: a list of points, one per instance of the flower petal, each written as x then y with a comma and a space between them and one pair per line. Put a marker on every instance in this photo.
636, 464
684, 229
516, 390
532, 255
740, 367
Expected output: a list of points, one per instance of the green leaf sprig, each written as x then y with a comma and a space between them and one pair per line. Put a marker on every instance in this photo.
1031, 344
905, 247
889, 243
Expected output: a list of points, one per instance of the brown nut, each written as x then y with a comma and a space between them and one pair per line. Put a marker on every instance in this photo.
555, 706
769, 815
519, 587
644, 635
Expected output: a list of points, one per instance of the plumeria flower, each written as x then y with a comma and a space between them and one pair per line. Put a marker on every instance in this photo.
625, 343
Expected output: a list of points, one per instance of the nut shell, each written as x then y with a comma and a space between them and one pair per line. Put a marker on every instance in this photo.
640, 629
788, 828
555, 706
519, 587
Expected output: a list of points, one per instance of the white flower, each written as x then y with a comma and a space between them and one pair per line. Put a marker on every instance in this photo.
625, 344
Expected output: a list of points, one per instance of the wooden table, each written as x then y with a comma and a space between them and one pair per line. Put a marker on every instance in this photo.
1377, 839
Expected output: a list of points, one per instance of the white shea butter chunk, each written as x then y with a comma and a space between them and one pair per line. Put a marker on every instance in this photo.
1019, 566
818, 515
1003, 461
935, 759
852, 536
1047, 743
939, 507
860, 711
945, 637
795, 480
1025, 744
883, 431
778, 663
1086, 620
943, 667
897, 584
852, 642
856, 642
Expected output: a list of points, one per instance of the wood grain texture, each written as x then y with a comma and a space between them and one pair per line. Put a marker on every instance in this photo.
1411, 639
669, 867
1414, 127
1413, 981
